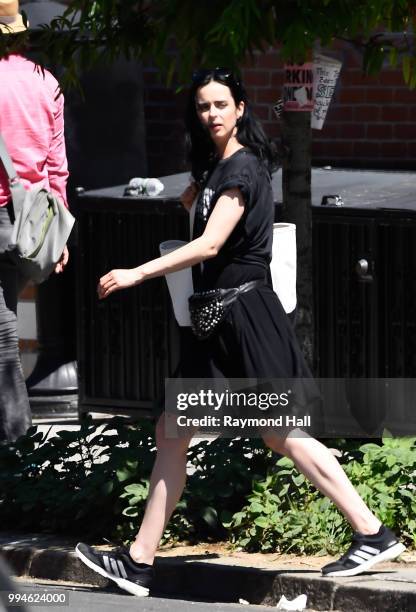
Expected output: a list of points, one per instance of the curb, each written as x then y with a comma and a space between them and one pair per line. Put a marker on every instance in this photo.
385, 590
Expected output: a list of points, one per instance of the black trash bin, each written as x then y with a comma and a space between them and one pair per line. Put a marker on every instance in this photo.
128, 343
364, 291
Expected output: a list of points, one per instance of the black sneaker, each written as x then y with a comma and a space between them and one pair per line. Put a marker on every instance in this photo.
364, 552
117, 565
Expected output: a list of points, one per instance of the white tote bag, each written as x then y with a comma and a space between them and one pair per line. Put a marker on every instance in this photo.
283, 264
180, 284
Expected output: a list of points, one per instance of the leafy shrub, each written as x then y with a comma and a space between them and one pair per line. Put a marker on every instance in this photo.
386, 479
73, 482
285, 512
94, 482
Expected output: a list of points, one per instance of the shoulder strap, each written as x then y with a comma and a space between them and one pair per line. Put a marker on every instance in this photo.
16, 188
7, 162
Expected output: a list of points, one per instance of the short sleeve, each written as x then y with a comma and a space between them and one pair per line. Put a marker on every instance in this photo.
239, 172
241, 181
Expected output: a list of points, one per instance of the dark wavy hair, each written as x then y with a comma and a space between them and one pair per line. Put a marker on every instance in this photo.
201, 148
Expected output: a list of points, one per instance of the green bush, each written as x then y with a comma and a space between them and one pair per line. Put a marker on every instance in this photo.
94, 483
286, 513
74, 482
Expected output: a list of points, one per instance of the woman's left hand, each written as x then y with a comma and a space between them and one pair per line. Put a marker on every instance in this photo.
189, 195
116, 280
63, 260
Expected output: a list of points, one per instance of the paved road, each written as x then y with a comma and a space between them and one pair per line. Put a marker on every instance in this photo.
89, 599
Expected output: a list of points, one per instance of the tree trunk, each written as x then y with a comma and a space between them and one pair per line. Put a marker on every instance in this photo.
296, 140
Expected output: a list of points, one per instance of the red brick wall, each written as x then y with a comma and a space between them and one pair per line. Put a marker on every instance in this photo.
371, 121
164, 110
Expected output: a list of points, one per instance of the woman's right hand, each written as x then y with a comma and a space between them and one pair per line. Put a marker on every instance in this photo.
118, 279
189, 195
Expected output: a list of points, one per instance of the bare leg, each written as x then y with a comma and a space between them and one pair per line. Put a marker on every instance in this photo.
166, 485
318, 464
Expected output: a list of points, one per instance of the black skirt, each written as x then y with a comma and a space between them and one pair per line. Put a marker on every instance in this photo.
256, 342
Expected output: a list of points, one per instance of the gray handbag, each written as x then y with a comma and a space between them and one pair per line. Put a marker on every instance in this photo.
42, 225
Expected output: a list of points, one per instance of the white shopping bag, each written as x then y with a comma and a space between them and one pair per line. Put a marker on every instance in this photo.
192, 218
179, 284
283, 264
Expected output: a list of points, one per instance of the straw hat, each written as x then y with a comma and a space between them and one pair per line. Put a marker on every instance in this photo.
11, 21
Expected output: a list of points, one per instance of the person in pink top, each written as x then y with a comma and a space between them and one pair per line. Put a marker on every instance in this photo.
32, 125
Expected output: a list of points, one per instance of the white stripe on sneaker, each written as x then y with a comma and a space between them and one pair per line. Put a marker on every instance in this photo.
358, 560
370, 549
107, 564
121, 568
362, 554
114, 567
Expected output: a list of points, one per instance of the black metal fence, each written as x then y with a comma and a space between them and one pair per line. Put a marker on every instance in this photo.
129, 344
365, 292
364, 286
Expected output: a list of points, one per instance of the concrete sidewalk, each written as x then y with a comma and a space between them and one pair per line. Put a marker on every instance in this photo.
195, 573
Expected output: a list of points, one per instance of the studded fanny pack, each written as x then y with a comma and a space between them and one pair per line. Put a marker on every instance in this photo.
209, 308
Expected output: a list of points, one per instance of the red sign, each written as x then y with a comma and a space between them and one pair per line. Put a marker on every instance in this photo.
298, 87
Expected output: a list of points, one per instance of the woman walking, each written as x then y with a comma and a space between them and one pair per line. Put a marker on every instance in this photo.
232, 235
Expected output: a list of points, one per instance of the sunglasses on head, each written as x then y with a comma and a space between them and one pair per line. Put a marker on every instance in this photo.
220, 74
